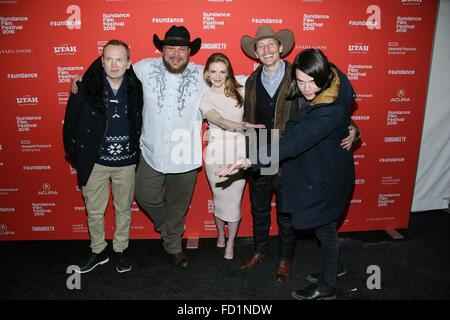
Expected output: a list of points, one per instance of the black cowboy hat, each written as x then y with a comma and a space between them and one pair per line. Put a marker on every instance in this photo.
177, 36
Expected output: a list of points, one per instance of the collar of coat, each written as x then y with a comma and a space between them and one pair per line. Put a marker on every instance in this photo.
330, 94
94, 91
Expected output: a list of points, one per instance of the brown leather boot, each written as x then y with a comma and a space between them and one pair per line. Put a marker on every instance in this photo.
284, 267
253, 260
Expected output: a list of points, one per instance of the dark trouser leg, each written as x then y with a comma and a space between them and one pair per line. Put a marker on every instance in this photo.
329, 241
261, 193
178, 194
149, 192
286, 234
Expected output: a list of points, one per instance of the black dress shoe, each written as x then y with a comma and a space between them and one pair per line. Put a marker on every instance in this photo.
314, 277
314, 292
181, 259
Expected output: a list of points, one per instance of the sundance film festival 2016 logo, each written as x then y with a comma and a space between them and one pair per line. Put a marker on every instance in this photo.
110, 22
10, 25
312, 22
387, 199
396, 117
212, 20
406, 24
26, 123
65, 74
373, 22
73, 21
42, 209
355, 71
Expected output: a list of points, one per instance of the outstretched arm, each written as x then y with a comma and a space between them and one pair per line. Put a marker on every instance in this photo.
215, 117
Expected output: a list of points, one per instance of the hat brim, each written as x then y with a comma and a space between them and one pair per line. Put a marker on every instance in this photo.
285, 36
194, 45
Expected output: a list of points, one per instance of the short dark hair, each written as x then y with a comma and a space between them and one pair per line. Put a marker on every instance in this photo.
314, 63
115, 42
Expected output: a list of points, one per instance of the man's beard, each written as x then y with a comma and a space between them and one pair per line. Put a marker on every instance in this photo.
178, 70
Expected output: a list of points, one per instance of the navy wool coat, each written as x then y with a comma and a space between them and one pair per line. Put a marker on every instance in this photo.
317, 173
85, 120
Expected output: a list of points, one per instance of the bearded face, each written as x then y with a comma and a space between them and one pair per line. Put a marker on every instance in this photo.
176, 58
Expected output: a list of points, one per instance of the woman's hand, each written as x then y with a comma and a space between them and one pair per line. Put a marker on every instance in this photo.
247, 125
228, 170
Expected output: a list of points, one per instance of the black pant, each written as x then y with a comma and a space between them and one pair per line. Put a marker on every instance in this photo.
331, 261
262, 189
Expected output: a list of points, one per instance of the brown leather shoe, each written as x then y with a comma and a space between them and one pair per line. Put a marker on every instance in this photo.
181, 259
284, 267
252, 261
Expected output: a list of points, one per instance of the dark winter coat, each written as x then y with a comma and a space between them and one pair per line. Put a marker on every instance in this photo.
318, 174
85, 122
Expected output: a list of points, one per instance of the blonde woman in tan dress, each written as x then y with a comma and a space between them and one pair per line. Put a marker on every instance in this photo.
222, 106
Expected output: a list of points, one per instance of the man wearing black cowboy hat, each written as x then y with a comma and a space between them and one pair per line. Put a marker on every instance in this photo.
266, 93
171, 136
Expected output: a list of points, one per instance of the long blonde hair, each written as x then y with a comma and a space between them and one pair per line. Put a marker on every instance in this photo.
231, 84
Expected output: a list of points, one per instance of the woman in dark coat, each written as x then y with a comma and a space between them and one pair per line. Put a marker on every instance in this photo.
318, 174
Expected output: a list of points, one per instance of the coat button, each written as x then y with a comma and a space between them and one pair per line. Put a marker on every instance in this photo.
93, 113
88, 130
82, 146
309, 187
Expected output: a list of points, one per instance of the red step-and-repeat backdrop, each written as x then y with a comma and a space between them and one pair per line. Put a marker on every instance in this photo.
384, 46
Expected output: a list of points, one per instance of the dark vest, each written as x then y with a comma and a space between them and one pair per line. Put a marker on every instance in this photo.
265, 106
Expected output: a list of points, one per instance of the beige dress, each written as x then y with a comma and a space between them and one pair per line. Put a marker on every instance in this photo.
224, 147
